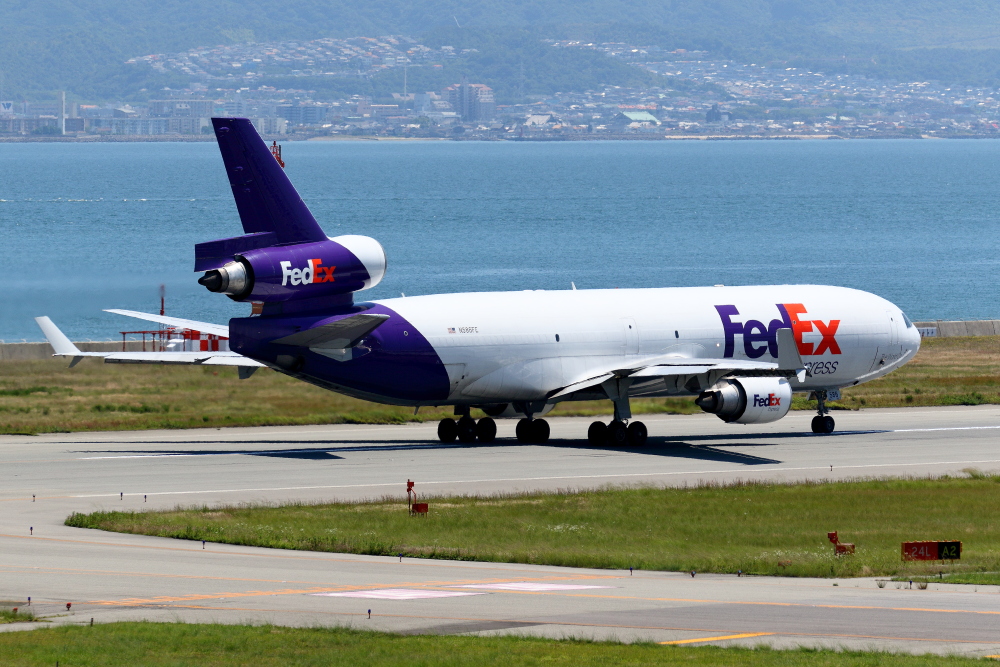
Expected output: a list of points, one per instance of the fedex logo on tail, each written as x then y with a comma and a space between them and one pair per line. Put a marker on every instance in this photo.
766, 401
314, 272
759, 339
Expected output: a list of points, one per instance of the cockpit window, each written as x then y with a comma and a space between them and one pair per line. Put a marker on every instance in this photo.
909, 324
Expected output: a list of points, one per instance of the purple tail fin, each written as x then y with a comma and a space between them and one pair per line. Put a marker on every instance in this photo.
265, 198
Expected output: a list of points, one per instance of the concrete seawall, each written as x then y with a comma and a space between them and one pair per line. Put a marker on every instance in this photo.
25, 351
951, 329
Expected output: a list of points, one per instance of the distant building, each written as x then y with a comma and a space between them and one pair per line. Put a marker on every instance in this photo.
303, 114
182, 108
471, 101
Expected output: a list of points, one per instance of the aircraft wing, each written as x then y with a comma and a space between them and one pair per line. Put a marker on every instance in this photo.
194, 325
789, 364
64, 347
340, 334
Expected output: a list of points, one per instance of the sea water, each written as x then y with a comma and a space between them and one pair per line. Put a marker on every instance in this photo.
91, 226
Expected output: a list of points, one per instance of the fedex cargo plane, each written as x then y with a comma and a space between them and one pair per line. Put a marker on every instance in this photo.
741, 351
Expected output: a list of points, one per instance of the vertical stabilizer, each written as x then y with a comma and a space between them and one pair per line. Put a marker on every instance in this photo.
265, 198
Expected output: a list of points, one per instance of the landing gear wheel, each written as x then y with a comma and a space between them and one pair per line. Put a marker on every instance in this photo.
817, 424
466, 429
828, 424
539, 431
447, 430
617, 434
486, 430
597, 434
637, 434
523, 430
823, 424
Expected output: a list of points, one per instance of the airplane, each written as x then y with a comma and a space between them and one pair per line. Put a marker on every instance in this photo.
741, 351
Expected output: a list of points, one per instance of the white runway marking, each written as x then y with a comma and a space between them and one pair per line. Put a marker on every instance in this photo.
531, 586
397, 594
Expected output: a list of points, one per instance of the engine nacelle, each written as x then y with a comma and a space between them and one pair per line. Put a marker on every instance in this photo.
748, 400
301, 271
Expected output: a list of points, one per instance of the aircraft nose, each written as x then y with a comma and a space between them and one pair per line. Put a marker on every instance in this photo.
912, 339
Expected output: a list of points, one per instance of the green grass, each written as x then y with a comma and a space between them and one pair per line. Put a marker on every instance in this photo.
21, 616
153, 644
760, 528
45, 396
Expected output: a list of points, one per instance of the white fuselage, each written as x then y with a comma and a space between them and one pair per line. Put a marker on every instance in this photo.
520, 346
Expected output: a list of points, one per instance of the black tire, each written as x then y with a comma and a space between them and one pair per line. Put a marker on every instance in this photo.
597, 434
447, 430
637, 434
539, 431
817, 424
828, 424
486, 430
523, 431
617, 434
466, 430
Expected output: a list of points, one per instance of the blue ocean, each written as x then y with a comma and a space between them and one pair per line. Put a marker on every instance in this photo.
91, 226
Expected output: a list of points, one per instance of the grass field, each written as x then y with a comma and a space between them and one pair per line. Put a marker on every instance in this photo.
46, 396
759, 528
153, 644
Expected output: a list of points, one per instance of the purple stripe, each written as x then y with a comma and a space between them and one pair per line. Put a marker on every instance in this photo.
396, 364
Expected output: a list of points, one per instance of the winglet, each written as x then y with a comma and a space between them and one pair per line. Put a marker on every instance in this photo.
62, 345
788, 354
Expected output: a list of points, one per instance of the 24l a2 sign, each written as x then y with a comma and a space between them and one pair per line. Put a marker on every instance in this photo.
932, 550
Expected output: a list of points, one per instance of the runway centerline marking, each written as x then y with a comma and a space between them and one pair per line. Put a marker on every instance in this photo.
719, 639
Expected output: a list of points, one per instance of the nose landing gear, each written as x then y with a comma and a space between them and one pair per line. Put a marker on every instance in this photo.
823, 422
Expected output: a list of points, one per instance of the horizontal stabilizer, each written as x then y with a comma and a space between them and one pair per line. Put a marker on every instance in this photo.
265, 198
62, 345
194, 325
341, 334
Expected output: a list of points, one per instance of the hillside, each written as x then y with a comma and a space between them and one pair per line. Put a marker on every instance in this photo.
81, 46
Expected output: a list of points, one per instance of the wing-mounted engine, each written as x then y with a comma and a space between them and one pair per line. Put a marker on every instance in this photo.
745, 400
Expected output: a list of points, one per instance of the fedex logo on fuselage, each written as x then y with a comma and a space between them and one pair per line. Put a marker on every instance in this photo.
314, 272
759, 339
766, 401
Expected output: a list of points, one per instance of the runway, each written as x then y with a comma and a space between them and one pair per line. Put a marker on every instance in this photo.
109, 576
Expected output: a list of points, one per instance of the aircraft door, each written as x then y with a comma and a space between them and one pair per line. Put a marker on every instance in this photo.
631, 331
893, 327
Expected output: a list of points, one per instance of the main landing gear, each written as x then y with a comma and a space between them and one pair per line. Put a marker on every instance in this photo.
823, 422
617, 434
532, 431
467, 430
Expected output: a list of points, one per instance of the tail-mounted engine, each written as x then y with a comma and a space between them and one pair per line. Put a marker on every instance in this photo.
284, 254
332, 267
748, 400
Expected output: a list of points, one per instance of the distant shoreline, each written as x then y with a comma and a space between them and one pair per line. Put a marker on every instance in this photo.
572, 138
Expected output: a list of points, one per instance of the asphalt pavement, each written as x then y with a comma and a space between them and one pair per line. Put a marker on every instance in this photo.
109, 576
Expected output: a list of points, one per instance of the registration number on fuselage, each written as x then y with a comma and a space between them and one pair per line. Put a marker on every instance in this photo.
463, 330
